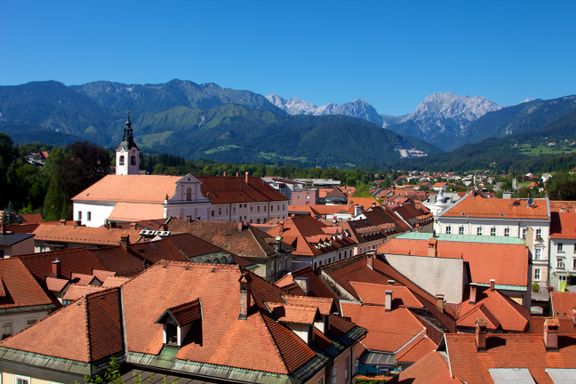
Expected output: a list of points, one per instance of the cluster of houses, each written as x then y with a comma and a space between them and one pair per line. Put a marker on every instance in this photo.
235, 279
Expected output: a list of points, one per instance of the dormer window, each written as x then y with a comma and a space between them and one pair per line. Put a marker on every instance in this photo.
182, 324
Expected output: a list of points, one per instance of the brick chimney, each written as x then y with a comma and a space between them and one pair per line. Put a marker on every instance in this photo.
440, 302
246, 177
370, 261
551, 334
480, 335
245, 295
125, 241
473, 294
492, 284
433, 247
388, 300
56, 268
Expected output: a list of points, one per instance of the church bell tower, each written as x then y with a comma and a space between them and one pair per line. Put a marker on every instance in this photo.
127, 153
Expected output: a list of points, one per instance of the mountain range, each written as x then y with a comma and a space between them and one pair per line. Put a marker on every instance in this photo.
207, 121
195, 121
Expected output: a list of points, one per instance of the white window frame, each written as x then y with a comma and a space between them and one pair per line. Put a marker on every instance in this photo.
448, 230
537, 253
560, 247
26, 379
461, 230
493, 231
479, 231
537, 273
506, 232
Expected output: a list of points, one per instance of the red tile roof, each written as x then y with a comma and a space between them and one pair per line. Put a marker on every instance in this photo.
19, 287
387, 331
507, 351
500, 312
371, 293
563, 225
506, 263
478, 206
60, 233
74, 292
225, 190
93, 323
130, 188
430, 369
562, 304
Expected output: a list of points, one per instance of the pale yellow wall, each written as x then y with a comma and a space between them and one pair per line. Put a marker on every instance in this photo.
10, 378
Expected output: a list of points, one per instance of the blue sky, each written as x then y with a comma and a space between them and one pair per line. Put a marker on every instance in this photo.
391, 54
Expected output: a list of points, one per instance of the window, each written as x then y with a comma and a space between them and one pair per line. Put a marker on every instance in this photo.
258, 208
560, 264
132, 160
537, 274
506, 232
219, 211
212, 213
574, 264
347, 370
574, 248
461, 230
479, 231
79, 215
524, 233
171, 333
493, 231
538, 254
560, 246
6, 330
121, 160
448, 230
271, 208
538, 234
189, 194
30, 322
88, 216
21, 379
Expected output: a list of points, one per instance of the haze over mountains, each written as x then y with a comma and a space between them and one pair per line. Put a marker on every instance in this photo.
207, 121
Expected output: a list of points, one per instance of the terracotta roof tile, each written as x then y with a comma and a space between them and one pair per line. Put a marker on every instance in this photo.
478, 206
74, 292
563, 225
130, 188
93, 322
416, 350
124, 211
224, 190
19, 286
507, 351
371, 293
82, 235
430, 369
296, 314
506, 263
56, 285
562, 304
387, 331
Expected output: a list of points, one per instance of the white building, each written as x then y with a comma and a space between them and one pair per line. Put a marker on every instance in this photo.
563, 249
128, 196
522, 218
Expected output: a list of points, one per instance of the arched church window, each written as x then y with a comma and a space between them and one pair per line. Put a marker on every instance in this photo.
132, 160
121, 160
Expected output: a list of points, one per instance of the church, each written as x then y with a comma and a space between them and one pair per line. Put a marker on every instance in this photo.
129, 196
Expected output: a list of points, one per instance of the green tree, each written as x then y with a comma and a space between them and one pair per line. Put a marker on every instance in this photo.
562, 186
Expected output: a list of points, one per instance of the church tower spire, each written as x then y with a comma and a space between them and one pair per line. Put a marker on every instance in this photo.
127, 153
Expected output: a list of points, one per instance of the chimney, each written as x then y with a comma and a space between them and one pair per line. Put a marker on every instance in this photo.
224, 174
481, 335
246, 177
433, 247
240, 226
551, 334
492, 284
388, 300
133, 226
278, 243
391, 282
302, 282
440, 302
56, 268
370, 261
245, 295
237, 174
473, 293
124, 241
